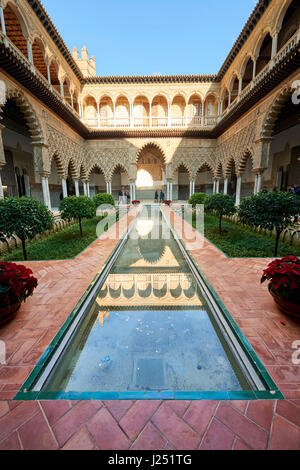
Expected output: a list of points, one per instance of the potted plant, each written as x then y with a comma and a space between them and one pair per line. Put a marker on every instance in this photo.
284, 285
16, 284
136, 202
167, 202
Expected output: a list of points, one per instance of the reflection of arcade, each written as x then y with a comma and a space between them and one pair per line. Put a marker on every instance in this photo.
147, 290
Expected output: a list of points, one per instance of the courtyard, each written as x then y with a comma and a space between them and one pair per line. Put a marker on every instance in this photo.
147, 213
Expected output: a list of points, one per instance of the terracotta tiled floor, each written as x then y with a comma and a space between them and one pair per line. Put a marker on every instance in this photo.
150, 424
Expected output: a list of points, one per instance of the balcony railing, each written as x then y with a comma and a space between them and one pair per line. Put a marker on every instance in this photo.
146, 122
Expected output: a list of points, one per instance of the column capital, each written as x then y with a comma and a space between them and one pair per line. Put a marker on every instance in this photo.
258, 171
44, 174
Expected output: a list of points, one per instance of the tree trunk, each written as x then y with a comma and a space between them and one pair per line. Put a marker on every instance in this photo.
80, 226
278, 232
220, 224
24, 249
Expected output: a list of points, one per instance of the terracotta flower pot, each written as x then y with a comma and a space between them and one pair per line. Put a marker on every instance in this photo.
286, 306
8, 312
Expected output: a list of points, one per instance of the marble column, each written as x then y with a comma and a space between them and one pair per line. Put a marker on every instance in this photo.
85, 188
255, 185
76, 183
259, 182
226, 186
1, 187
29, 51
64, 187
238, 190
48, 73
274, 45
3, 28
46, 192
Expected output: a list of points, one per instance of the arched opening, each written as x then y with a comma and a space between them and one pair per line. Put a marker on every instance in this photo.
67, 91
210, 110
219, 178
290, 23
119, 181
141, 111
75, 102
178, 111
14, 30
194, 111
122, 112
204, 180
225, 100
159, 111
248, 73
18, 175
183, 177
97, 181
248, 177
284, 169
264, 55
83, 176
90, 111
55, 181
150, 173
54, 75
106, 112
38, 53
234, 88
230, 172
72, 176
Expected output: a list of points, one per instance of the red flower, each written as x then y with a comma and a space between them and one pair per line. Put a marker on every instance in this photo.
16, 283
284, 276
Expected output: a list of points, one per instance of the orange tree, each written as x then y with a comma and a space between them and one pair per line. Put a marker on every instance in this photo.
271, 211
24, 217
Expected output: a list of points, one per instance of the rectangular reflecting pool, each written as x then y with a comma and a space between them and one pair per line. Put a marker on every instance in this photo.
151, 329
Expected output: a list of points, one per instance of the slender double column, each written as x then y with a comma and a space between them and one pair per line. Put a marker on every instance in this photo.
3, 28
238, 190
192, 187
76, 183
132, 192
45, 189
64, 188
226, 186
258, 181
1, 187
108, 187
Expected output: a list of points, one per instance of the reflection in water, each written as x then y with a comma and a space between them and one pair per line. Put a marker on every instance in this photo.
148, 329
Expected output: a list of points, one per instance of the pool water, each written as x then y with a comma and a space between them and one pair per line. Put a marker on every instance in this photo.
150, 328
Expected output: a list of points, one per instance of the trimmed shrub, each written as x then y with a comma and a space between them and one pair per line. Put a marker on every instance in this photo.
24, 217
198, 198
78, 208
270, 211
221, 204
103, 198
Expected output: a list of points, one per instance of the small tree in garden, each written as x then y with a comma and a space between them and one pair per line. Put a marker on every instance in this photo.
103, 198
222, 204
78, 208
274, 210
24, 217
198, 198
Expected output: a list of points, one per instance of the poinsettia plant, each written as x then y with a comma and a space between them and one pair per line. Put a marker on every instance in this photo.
167, 202
284, 277
136, 202
16, 283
